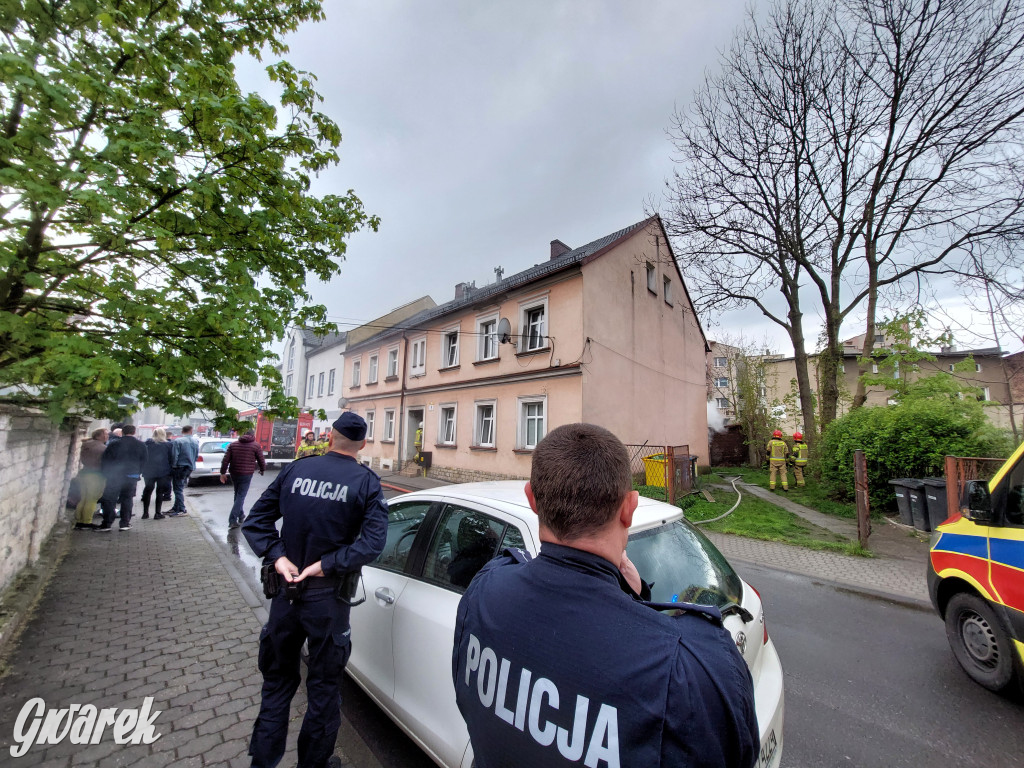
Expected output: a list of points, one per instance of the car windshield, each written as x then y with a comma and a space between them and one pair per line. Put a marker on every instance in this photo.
684, 566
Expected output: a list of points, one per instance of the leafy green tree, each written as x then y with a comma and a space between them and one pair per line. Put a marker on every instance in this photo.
751, 375
933, 417
158, 225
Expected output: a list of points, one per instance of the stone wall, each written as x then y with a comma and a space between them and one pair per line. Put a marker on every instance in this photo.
37, 461
456, 475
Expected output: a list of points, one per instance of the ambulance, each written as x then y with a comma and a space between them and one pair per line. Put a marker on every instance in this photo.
976, 578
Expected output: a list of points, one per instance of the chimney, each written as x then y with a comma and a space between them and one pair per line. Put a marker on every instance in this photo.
464, 290
558, 248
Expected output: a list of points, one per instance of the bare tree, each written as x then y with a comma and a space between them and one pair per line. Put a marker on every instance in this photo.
847, 146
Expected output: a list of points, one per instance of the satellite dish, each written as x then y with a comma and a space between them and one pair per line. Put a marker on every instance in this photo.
504, 331
342, 402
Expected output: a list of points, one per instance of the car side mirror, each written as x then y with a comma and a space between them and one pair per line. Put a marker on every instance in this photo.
979, 502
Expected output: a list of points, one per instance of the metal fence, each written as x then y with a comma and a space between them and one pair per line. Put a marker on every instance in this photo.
961, 469
666, 472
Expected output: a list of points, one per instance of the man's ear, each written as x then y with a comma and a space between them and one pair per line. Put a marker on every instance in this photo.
629, 505
529, 498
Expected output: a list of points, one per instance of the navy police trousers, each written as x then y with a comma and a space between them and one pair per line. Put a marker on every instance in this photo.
322, 619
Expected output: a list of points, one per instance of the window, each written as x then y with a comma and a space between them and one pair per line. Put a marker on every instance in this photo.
404, 521
986, 395
370, 418
977, 367
355, 373
312, 384
721, 362
446, 425
532, 422
465, 540
291, 356
371, 370
874, 367
330, 382
320, 384
389, 425
896, 369
392, 362
668, 291
842, 367
483, 425
879, 338
951, 366
418, 361
450, 349
288, 384
722, 381
652, 279
487, 346
722, 403
534, 328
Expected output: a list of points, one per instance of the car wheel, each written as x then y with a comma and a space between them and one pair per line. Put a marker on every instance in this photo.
979, 642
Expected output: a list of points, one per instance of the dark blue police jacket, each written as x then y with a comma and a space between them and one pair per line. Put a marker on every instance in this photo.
334, 511
555, 664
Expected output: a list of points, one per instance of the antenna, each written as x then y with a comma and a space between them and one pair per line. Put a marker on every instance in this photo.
504, 331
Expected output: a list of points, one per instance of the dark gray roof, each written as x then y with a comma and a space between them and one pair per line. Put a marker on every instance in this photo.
536, 272
313, 342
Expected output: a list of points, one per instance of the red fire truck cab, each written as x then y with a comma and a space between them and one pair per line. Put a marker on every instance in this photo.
279, 438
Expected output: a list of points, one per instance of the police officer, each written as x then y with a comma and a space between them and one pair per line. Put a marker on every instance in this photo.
335, 521
558, 661
800, 453
777, 453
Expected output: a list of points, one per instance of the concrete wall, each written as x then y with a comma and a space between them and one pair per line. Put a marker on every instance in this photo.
37, 461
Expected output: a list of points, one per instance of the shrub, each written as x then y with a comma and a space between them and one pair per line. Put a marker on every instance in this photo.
933, 419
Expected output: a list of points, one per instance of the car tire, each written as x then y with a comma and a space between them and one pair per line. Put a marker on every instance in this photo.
980, 643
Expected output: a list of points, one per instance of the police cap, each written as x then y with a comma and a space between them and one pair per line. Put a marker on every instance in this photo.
351, 425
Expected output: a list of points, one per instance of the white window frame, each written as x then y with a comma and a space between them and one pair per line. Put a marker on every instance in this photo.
652, 278
986, 395
389, 425
372, 365
977, 367
288, 384
722, 403
371, 417
874, 367
525, 308
418, 356
721, 362
478, 423
443, 438
722, 381
320, 384
487, 340
392, 363
291, 356
666, 283
312, 385
448, 359
330, 381
522, 421
357, 365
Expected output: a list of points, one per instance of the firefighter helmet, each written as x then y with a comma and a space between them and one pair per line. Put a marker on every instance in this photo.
777, 433
798, 435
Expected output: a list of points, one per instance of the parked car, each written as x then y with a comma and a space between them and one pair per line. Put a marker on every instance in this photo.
976, 578
403, 633
211, 452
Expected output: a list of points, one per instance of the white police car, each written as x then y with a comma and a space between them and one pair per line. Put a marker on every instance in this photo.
437, 539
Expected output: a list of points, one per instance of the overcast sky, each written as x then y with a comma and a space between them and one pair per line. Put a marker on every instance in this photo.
480, 131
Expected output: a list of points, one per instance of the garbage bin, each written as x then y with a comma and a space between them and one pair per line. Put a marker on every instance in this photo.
654, 468
935, 501
910, 501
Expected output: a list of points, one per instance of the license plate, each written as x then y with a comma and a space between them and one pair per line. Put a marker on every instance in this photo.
768, 747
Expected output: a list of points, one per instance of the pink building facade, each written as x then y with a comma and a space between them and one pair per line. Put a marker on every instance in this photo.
605, 333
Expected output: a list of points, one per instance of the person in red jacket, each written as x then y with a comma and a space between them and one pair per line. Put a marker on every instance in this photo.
240, 461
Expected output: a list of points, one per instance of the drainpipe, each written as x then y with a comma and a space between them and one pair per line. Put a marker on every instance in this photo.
401, 403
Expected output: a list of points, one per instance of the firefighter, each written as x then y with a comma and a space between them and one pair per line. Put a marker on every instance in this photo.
307, 447
418, 441
800, 452
777, 452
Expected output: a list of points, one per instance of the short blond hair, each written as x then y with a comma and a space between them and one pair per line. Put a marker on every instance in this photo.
160, 435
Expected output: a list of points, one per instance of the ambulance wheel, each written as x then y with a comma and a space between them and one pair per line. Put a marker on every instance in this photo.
979, 642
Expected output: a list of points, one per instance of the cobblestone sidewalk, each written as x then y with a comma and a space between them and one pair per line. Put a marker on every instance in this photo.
131, 614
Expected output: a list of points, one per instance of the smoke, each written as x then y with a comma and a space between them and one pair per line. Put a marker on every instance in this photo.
716, 419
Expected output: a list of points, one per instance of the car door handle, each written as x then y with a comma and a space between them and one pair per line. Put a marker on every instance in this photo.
385, 594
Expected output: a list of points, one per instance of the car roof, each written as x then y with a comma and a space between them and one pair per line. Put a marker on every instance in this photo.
510, 497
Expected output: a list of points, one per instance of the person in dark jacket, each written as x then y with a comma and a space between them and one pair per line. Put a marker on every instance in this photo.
240, 461
90, 480
157, 471
122, 463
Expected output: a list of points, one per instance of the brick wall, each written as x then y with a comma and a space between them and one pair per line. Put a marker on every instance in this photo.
456, 475
37, 461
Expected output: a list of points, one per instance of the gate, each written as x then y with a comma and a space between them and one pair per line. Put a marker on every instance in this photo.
961, 469
666, 472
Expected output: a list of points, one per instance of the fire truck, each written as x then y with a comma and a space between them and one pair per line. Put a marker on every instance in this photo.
279, 438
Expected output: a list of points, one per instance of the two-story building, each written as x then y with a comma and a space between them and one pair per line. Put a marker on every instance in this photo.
605, 333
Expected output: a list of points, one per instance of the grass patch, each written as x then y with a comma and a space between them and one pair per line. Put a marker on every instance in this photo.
811, 495
759, 519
